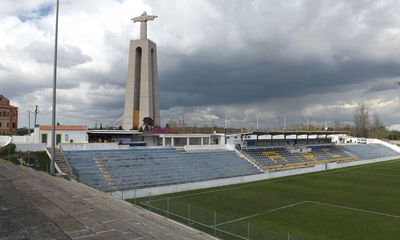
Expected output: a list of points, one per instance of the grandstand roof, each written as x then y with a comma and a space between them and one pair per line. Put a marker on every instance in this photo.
296, 133
114, 132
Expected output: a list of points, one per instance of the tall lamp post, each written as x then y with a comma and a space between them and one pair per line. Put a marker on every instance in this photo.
53, 119
305, 118
398, 84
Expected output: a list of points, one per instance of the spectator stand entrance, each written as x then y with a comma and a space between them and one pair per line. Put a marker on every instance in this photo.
284, 150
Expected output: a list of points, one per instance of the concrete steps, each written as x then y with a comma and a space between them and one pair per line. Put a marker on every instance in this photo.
62, 162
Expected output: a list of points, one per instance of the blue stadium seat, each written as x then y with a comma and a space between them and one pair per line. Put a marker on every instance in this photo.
278, 158
369, 151
112, 170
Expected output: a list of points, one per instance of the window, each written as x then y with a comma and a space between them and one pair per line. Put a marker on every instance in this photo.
0, 124
13, 125
8, 124
66, 137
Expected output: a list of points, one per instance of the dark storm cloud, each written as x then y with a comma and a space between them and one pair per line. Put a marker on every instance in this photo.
214, 56
384, 86
199, 83
69, 56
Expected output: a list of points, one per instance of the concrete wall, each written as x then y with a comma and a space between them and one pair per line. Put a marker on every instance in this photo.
236, 180
189, 148
30, 147
16, 139
22, 139
4, 140
91, 146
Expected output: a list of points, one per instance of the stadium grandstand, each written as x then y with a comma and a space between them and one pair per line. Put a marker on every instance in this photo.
295, 149
113, 170
259, 152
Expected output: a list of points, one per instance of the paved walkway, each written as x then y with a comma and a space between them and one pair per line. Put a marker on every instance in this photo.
34, 205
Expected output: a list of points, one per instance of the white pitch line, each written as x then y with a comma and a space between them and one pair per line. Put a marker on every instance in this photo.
355, 209
264, 212
314, 202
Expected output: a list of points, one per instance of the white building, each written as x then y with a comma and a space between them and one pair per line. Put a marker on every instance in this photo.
180, 140
64, 134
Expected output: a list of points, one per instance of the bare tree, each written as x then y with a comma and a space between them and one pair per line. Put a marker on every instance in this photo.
377, 126
361, 121
337, 125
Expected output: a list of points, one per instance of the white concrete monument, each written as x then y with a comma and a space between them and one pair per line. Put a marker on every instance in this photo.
141, 96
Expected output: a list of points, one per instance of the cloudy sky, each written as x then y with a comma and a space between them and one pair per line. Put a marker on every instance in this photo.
293, 59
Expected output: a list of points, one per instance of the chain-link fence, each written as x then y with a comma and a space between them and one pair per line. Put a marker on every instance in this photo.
212, 222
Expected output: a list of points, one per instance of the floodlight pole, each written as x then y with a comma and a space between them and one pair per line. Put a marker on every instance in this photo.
306, 121
284, 123
226, 118
29, 122
257, 122
53, 119
398, 84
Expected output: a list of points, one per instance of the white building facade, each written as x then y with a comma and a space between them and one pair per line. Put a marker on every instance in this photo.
64, 134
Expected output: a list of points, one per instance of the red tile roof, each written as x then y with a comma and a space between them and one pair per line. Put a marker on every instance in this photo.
60, 127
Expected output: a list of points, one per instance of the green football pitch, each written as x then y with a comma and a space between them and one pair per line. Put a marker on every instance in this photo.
361, 202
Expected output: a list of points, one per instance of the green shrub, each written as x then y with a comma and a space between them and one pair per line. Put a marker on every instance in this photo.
6, 150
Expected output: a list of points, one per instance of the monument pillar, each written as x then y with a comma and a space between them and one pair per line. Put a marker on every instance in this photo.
141, 96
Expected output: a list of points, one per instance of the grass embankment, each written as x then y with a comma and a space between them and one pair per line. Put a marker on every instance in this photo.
352, 203
36, 160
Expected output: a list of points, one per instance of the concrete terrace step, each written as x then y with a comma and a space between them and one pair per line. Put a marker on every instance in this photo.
35, 205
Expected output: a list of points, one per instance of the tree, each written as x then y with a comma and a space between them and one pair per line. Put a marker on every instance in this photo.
22, 131
377, 126
337, 126
361, 121
148, 123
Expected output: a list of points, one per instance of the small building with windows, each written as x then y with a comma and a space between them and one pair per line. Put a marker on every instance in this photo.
64, 134
8, 117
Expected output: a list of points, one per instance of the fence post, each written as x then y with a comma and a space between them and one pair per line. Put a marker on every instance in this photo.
122, 191
134, 192
189, 213
215, 223
168, 206
248, 230
288, 236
